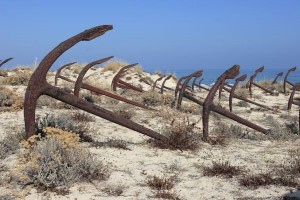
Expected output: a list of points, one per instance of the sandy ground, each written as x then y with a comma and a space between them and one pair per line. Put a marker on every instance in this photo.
130, 168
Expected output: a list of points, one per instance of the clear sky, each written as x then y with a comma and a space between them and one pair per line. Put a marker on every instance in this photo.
158, 34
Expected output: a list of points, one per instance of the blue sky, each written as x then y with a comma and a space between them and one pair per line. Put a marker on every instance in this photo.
158, 34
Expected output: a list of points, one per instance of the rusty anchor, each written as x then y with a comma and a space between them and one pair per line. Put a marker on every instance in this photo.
195, 84
209, 106
233, 95
277, 76
251, 82
155, 83
117, 82
180, 86
163, 84
286, 80
92, 88
38, 86
200, 86
294, 101
224, 87
5, 61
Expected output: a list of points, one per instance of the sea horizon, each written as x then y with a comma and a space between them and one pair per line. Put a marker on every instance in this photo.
210, 75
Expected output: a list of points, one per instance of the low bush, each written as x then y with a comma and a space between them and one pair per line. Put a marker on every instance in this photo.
57, 160
243, 104
114, 190
82, 117
222, 129
63, 121
151, 98
280, 131
112, 143
223, 168
180, 135
10, 143
127, 113
163, 186
9, 100
268, 178
18, 78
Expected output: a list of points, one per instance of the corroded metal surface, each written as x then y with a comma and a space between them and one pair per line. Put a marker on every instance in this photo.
117, 82
163, 83
291, 101
58, 75
78, 83
207, 104
155, 82
95, 89
5, 61
277, 76
184, 86
286, 80
38, 86
233, 95
231, 73
200, 86
251, 82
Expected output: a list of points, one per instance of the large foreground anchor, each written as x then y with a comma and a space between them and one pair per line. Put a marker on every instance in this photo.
286, 80
38, 86
5, 61
209, 106
92, 88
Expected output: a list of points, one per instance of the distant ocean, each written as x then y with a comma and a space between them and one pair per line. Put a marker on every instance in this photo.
210, 75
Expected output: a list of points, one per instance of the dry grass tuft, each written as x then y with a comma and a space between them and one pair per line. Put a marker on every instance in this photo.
151, 98
222, 168
264, 179
180, 135
222, 129
114, 66
158, 183
114, 190
126, 112
242, 92
18, 78
286, 174
286, 131
163, 186
82, 117
191, 108
242, 104
273, 87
